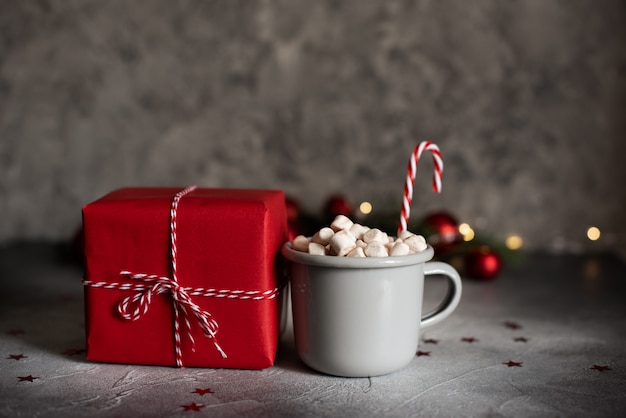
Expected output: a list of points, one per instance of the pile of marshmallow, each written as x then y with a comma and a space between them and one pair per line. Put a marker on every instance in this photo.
345, 238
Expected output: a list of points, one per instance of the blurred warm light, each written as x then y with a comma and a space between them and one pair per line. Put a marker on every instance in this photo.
365, 208
514, 242
466, 231
469, 236
593, 233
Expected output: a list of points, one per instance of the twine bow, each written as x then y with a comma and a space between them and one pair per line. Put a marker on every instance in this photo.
133, 307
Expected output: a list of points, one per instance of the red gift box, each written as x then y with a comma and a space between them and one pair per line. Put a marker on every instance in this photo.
184, 277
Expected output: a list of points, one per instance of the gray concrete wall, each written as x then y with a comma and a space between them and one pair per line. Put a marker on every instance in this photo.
526, 100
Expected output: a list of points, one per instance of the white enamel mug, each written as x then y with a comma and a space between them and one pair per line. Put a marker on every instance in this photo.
360, 317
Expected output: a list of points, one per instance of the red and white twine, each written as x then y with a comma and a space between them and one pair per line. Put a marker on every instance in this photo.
410, 178
179, 298
147, 285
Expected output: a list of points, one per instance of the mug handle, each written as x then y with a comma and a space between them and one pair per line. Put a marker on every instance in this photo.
453, 295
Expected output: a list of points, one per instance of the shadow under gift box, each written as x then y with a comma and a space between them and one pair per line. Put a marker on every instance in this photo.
228, 243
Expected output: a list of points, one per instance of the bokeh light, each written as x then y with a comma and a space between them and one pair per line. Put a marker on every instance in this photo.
365, 208
593, 233
514, 242
466, 232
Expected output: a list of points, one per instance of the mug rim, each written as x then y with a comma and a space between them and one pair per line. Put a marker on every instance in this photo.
356, 262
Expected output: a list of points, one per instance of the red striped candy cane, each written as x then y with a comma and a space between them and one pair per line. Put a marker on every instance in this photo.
410, 178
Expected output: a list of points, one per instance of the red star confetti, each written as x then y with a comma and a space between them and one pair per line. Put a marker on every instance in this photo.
430, 341
520, 339
16, 356
513, 363
423, 353
600, 368
28, 378
15, 331
512, 325
469, 340
203, 391
192, 407
73, 351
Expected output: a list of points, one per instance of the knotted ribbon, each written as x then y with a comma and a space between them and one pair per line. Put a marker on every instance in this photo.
133, 307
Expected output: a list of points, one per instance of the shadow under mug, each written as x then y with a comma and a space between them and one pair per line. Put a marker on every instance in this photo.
360, 317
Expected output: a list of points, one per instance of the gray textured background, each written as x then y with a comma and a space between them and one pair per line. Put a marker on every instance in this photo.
525, 99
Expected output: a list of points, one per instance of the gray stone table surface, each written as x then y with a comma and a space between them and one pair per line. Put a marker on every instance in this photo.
545, 339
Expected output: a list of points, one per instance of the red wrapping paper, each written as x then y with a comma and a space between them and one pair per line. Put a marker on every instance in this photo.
227, 239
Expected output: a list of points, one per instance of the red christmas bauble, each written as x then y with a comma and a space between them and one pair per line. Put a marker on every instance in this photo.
338, 205
483, 263
293, 208
293, 215
293, 230
442, 228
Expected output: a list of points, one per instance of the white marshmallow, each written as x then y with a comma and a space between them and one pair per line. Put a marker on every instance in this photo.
342, 242
356, 252
399, 248
376, 249
323, 236
416, 243
317, 249
346, 238
300, 243
374, 234
358, 230
405, 234
341, 222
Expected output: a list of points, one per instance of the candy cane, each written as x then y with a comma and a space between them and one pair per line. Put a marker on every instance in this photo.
410, 178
